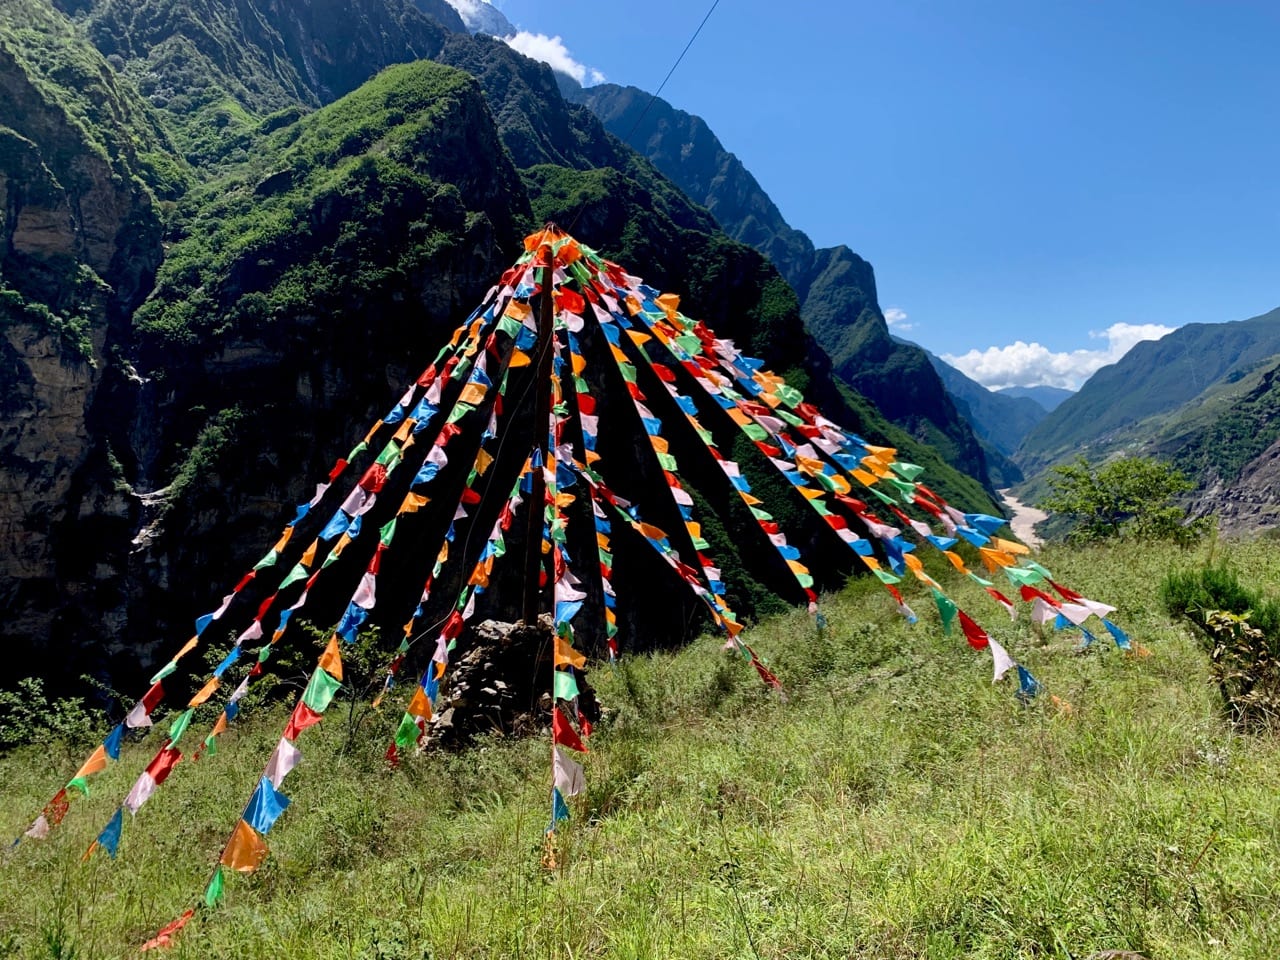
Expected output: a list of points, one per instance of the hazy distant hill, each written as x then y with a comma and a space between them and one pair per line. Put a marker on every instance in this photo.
1048, 397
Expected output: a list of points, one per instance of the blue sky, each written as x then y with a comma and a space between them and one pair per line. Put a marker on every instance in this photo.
1037, 184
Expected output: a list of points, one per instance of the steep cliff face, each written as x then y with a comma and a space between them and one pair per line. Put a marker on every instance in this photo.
217, 68
80, 157
836, 286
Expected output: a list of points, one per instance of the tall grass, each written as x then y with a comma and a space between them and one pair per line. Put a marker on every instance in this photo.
897, 805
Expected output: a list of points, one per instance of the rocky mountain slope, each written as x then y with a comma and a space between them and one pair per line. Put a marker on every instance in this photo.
315, 254
836, 287
1048, 397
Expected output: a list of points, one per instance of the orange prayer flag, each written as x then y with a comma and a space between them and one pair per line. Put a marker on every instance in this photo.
204, 693
519, 359
660, 444
402, 434
331, 659
912, 562
670, 303
186, 648
220, 725
97, 761
309, 556
245, 851
284, 539
419, 704
484, 459
650, 531
864, 478
956, 560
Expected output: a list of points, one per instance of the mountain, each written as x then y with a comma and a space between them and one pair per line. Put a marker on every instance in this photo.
482, 17
836, 287
1155, 377
237, 229
1050, 398
1000, 420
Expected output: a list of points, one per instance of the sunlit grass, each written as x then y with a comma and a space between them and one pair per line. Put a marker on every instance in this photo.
897, 805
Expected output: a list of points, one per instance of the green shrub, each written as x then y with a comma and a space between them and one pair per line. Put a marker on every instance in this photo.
1241, 632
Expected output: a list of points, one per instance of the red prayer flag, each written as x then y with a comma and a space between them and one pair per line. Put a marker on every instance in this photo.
976, 636
562, 731
303, 717
165, 937
162, 763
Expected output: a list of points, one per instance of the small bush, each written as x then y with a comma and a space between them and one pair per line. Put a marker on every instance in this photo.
28, 716
1241, 629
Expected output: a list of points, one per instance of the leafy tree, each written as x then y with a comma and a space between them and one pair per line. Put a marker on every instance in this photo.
1132, 497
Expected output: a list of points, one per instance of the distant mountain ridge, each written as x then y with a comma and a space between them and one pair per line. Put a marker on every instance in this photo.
1050, 398
836, 287
1155, 377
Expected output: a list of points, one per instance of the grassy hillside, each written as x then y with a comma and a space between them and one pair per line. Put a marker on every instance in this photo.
898, 805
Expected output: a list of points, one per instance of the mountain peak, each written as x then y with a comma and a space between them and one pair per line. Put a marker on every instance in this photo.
480, 16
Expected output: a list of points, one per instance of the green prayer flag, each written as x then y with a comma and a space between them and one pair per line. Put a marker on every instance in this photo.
213, 892
628, 372
946, 609
977, 579
211, 745
821, 507
267, 561
566, 685
390, 452
297, 573
264, 653
358, 449
668, 462
461, 369
908, 471
790, 396
789, 417
701, 544
81, 784
883, 497
179, 726
407, 733
825, 482
1032, 565
580, 385
690, 343
804, 579
755, 431
761, 514
459, 411
510, 326
886, 577
610, 629
320, 691
167, 669
453, 645
907, 489
387, 532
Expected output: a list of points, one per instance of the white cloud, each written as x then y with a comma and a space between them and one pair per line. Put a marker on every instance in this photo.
1022, 364
552, 51
896, 318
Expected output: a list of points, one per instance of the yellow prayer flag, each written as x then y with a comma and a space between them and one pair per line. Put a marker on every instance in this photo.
864, 478
473, 394
1008, 546
484, 459
413, 502
565, 654
186, 648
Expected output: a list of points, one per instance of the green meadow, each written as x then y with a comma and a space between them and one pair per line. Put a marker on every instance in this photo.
896, 804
